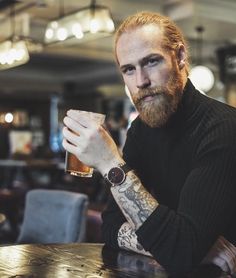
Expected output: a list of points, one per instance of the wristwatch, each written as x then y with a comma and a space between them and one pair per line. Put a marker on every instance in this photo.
117, 175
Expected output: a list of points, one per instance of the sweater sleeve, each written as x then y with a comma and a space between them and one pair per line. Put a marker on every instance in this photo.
180, 239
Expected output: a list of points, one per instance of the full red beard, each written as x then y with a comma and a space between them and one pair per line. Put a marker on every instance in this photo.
156, 112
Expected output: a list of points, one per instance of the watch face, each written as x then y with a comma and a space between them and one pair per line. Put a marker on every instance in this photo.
116, 175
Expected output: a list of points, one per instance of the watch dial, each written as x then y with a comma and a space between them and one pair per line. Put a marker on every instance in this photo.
116, 175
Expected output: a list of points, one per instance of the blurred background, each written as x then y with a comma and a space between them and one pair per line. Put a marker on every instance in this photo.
58, 54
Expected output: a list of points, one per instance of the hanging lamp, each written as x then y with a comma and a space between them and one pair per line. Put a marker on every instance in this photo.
201, 76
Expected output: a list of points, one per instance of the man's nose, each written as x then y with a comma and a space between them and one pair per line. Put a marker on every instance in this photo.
142, 79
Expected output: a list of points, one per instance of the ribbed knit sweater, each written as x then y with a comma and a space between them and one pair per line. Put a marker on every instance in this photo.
189, 166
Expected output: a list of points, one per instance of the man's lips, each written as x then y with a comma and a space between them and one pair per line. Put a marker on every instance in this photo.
147, 98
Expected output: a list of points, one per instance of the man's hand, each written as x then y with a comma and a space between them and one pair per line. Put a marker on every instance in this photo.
89, 141
127, 239
223, 254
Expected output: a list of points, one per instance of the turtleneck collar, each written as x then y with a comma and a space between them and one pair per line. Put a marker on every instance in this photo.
185, 107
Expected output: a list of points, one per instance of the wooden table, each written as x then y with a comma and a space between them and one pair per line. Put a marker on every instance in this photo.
78, 260
73, 260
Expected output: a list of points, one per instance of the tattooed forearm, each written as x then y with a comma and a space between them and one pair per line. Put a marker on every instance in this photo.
134, 200
127, 239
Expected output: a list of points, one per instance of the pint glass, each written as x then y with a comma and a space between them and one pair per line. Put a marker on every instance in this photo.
72, 164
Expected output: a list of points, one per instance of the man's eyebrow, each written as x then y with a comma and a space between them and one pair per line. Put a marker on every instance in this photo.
123, 67
152, 55
142, 60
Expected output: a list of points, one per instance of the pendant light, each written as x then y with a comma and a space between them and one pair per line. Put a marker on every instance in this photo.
201, 76
91, 22
13, 51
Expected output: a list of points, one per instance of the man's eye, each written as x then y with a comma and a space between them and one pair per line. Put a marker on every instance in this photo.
152, 62
128, 70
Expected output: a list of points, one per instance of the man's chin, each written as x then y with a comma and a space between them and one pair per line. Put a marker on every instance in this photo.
154, 123
158, 114
154, 117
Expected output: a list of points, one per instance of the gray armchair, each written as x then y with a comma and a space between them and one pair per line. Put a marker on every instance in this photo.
54, 216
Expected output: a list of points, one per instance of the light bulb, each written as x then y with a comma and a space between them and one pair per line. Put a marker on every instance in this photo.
110, 25
9, 58
49, 33
94, 26
62, 34
3, 58
202, 78
9, 117
77, 31
20, 54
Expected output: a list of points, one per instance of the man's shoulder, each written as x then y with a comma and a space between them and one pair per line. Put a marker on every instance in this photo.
217, 127
206, 108
220, 113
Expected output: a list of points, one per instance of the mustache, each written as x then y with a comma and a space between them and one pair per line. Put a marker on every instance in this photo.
142, 93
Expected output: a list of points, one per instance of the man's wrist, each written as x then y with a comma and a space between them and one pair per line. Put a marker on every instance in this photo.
117, 174
113, 163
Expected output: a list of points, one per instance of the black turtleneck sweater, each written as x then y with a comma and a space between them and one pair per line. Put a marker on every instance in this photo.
189, 166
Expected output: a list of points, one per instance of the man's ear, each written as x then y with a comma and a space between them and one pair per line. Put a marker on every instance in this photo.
181, 56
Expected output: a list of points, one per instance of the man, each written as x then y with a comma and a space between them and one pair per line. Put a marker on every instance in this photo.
174, 189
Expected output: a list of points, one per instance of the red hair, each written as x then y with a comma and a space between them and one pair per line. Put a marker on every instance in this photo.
172, 35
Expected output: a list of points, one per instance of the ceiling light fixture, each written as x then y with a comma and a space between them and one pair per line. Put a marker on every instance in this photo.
13, 51
201, 76
90, 22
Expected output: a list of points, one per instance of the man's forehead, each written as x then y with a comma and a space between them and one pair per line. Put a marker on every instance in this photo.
141, 40
147, 30
150, 28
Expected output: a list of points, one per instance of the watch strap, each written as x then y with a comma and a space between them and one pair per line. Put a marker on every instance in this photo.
125, 167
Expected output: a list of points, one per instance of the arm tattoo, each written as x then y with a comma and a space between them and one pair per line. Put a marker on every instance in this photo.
134, 200
127, 239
